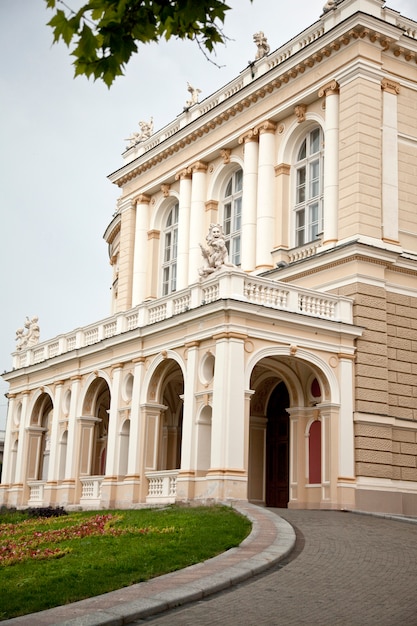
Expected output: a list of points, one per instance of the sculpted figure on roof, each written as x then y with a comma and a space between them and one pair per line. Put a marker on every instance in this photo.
262, 43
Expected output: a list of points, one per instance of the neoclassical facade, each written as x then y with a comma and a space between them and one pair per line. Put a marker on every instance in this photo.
286, 375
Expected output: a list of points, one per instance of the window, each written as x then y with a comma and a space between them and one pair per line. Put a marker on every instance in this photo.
232, 216
169, 265
309, 188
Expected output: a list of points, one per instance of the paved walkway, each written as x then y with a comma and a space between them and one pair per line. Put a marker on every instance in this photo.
346, 570
336, 569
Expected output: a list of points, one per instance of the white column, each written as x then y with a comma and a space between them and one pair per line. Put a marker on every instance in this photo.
183, 228
331, 162
135, 442
188, 443
53, 455
198, 206
390, 91
21, 460
250, 190
266, 196
113, 439
8, 441
228, 423
140, 254
346, 426
70, 470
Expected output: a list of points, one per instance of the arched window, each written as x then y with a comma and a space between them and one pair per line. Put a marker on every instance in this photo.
170, 251
309, 188
232, 216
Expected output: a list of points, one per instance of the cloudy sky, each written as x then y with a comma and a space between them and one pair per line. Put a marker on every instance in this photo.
60, 137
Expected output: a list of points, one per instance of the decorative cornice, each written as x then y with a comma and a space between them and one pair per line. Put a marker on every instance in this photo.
390, 86
359, 31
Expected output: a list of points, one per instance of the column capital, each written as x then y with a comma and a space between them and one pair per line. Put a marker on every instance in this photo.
390, 86
265, 127
154, 234
329, 89
250, 135
142, 198
282, 169
184, 174
198, 166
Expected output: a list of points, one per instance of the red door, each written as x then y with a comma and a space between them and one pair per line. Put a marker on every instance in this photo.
277, 449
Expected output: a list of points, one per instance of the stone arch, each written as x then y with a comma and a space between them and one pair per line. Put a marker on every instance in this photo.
280, 380
220, 176
94, 425
39, 435
294, 134
162, 208
164, 390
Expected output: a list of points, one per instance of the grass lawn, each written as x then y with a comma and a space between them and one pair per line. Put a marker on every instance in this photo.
47, 562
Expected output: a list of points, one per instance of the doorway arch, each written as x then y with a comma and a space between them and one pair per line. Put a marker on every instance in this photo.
277, 466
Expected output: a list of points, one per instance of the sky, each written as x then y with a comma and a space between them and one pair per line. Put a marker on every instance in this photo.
60, 137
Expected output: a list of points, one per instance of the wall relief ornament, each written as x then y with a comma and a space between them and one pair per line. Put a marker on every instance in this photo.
29, 335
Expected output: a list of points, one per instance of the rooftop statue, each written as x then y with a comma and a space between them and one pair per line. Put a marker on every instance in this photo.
262, 43
329, 5
29, 335
215, 255
146, 130
194, 95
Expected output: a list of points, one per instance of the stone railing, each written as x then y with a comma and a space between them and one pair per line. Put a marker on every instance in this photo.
91, 490
36, 491
162, 486
228, 284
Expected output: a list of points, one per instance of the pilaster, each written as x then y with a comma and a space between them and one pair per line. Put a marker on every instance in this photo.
390, 202
183, 227
140, 258
266, 195
250, 190
331, 162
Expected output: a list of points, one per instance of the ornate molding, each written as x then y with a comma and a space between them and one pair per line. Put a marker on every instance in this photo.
330, 89
212, 205
142, 198
265, 127
282, 169
198, 166
165, 190
225, 154
300, 111
184, 174
250, 135
390, 86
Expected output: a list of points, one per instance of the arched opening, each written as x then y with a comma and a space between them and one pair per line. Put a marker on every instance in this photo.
164, 417
277, 448
62, 455
40, 439
94, 429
